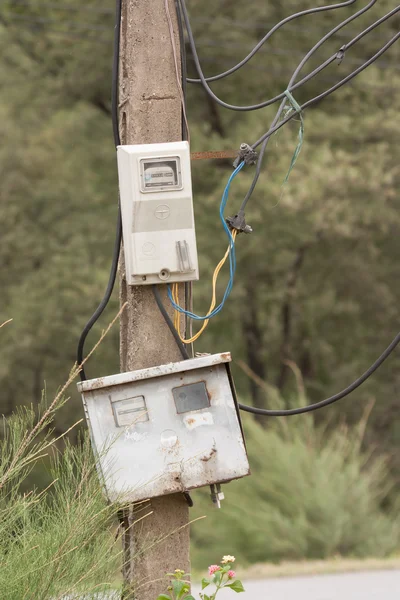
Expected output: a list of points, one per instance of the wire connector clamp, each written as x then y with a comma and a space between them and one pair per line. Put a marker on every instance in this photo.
246, 154
238, 222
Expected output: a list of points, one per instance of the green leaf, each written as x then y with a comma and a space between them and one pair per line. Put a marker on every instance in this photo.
236, 586
164, 597
204, 583
180, 588
190, 597
217, 577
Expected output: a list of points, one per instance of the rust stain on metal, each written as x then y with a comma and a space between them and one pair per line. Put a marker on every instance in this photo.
213, 155
212, 452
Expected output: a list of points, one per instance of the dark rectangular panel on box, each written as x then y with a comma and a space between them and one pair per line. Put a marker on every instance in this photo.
190, 397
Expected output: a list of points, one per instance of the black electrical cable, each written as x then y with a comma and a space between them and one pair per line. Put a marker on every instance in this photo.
396, 341
268, 35
264, 139
163, 310
185, 136
332, 399
185, 133
330, 90
118, 236
279, 96
115, 73
294, 411
291, 86
260, 159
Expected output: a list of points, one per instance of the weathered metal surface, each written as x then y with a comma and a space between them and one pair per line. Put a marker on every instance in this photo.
166, 451
160, 371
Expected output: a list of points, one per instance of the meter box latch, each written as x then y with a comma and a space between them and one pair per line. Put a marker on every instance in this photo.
166, 429
157, 213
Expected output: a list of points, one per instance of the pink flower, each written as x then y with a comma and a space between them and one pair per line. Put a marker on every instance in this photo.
213, 569
231, 574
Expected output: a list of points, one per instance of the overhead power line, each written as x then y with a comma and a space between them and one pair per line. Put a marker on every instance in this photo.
276, 124
33, 28
259, 25
246, 25
274, 51
32, 24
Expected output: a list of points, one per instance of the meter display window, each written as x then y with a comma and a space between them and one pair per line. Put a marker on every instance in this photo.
191, 397
130, 411
160, 174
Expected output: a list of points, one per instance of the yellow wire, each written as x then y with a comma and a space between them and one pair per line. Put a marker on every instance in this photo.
175, 296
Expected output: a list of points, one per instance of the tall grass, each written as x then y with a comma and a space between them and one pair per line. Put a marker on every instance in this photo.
313, 493
61, 540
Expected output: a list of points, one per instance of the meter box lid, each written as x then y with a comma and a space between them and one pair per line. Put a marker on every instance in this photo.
165, 429
155, 185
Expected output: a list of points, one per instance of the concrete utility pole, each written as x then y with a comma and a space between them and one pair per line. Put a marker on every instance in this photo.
150, 112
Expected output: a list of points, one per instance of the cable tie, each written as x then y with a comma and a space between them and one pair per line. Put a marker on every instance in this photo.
295, 105
341, 54
298, 109
246, 154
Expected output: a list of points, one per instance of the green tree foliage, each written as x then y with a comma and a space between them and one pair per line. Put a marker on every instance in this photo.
312, 494
316, 282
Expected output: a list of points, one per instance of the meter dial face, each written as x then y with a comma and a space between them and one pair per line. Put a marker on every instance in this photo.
160, 174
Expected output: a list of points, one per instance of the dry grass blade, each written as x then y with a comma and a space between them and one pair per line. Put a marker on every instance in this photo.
49, 411
5, 323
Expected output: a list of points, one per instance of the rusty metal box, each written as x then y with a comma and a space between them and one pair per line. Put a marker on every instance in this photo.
166, 429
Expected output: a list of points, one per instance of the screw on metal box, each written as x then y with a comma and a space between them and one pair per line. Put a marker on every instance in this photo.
166, 429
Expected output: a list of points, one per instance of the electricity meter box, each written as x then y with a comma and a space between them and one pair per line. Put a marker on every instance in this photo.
157, 213
165, 429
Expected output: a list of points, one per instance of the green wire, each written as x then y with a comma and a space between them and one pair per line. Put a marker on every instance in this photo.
295, 106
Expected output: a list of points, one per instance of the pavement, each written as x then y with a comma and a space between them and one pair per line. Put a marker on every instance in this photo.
363, 585
370, 585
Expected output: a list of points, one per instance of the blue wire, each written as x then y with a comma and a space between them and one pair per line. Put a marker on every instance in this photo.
232, 257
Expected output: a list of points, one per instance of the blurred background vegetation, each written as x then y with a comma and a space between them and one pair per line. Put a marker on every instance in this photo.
316, 284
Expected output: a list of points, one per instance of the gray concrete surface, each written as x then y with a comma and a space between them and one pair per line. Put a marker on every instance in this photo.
368, 585
371, 585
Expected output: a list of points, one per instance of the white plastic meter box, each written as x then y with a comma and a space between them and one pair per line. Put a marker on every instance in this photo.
165, 429
157, 213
